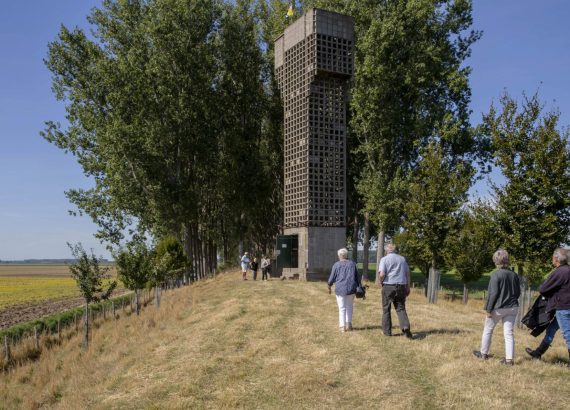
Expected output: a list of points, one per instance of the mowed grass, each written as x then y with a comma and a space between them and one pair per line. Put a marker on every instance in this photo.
228, 343
20, 284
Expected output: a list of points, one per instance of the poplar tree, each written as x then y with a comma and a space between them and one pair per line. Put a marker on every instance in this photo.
533, 204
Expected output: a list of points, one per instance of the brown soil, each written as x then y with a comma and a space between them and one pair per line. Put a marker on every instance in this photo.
26, 312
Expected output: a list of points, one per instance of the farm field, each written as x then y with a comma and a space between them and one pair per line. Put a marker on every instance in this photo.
28, 292
229, 343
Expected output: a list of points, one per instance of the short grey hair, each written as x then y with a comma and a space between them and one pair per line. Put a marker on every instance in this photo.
501, 258
562, 255
390, 247
343, 253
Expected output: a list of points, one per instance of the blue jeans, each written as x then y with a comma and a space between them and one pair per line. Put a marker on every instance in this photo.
550, 332
563, 318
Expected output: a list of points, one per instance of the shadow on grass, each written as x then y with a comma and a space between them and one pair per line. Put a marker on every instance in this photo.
366, 327
424, 334
417, 335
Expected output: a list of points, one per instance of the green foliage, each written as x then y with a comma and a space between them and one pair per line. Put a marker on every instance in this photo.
169, 259
470, 250
134, 265
410, 84
533, 206
89, 275
171, 112
436, 192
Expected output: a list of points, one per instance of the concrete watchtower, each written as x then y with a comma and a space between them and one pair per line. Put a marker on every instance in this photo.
313, 65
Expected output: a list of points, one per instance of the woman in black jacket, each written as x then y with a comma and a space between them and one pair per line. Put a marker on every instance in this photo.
557, 289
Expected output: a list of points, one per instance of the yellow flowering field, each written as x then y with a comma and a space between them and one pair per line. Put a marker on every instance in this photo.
21, 284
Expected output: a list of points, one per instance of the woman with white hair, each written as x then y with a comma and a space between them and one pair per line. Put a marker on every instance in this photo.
502, 305
344, 275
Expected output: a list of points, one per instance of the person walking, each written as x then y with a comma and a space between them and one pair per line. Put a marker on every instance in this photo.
394, 279
244, 265
344, 275
265, 267
502, 305
557, 289
254, 266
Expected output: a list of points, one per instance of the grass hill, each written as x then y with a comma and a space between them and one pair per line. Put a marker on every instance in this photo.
228, 343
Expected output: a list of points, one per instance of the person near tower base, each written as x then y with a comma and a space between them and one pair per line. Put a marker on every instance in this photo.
244, 265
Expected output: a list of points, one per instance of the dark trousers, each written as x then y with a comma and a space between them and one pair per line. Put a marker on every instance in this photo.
264, 273
254, 274
395, 294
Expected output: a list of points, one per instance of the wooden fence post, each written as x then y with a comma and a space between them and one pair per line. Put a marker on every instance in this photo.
104, 315
113, 307
58, 330
7, 349
36, 338
75, 320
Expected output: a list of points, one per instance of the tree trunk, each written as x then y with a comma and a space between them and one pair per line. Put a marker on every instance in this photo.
522, 299
366, 249
157, 293
86, 327
426, 282
189, 252
205, 267
137, 301
196, 264
465, 293
355, 239
433, 283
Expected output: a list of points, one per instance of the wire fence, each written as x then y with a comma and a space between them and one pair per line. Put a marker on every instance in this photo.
25, 342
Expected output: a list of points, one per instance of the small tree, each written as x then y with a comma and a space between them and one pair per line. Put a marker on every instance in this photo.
134, 268
90, 278
437, 191
417, 256
170, 262
470, 250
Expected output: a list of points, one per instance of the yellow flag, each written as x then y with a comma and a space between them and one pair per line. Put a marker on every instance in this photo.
290, 11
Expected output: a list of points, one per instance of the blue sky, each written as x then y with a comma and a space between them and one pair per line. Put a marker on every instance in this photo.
525, 47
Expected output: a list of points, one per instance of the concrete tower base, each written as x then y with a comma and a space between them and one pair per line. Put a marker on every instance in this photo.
317, 253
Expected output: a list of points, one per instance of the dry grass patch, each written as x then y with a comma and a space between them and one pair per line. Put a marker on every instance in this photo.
228, 343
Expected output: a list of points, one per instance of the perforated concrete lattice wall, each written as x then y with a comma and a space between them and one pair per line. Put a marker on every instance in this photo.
314, 65
314, 62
